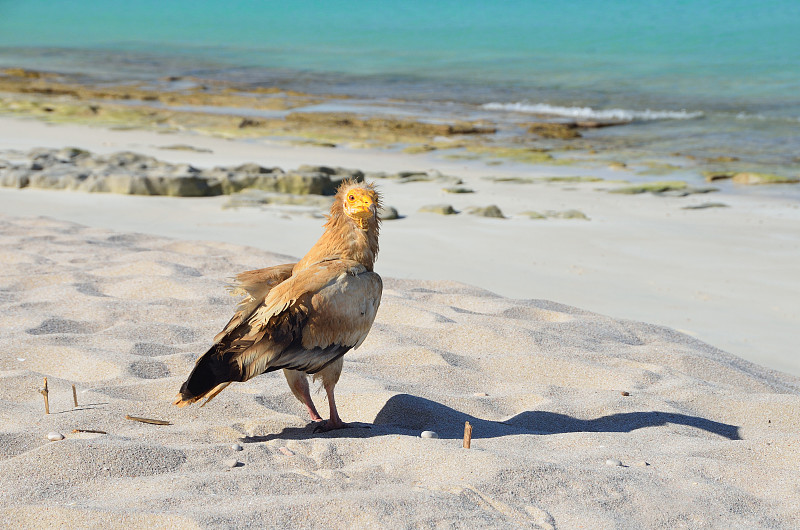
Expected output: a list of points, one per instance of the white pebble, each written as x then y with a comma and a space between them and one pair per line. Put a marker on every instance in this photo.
231, 462
429, 434
613, 462
236, 447
55, 436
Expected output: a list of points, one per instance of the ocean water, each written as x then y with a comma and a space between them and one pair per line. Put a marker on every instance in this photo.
712, 77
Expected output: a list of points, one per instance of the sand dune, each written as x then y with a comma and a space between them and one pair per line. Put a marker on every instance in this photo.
580, 420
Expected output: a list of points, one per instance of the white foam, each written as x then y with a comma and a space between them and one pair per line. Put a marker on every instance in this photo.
590, 113
762, 117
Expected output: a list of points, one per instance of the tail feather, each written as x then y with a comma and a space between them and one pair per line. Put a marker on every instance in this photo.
213, 372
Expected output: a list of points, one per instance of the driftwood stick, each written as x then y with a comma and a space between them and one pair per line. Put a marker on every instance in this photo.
147, 420
89, 430
467, 435
75, 396
44, 392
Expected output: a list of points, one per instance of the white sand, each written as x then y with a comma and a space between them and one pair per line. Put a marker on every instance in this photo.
705, 438
727, 276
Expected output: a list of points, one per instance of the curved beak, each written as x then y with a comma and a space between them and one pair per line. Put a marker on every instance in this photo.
363, 208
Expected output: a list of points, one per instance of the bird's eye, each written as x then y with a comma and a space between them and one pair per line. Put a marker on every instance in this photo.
351, 197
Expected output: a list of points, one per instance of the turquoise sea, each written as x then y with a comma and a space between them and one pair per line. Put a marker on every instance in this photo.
706, 77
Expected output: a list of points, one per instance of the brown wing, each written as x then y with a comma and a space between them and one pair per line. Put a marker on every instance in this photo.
255, 285
312, 319
305, 323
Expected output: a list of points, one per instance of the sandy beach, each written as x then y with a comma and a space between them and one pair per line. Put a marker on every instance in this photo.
588, 306
634, 369
725, 276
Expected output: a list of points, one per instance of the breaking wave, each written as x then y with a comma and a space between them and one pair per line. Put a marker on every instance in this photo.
590, 113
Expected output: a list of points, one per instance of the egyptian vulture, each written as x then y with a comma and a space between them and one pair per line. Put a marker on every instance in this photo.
302, 317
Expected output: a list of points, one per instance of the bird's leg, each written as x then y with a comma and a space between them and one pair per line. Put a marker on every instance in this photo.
298, 383
335, 422
312, 410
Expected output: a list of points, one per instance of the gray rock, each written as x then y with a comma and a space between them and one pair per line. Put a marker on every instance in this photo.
534, 215
253, 197
568, 214
131, 173
251, 168
305, 183
132, 160
705, 205
183, 186
42, 158
70, 154
442, 209
487, 211
15, 177
184, 169
387, 213
57, 177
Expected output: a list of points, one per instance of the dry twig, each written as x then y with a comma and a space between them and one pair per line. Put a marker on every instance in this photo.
45, 392
89, 430
147, 420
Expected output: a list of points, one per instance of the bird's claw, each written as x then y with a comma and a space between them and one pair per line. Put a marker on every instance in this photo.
324, 427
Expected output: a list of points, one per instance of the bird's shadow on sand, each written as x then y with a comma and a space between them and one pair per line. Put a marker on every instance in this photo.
405, 414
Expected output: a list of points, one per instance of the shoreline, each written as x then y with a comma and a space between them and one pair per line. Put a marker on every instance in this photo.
723, 275
642, 147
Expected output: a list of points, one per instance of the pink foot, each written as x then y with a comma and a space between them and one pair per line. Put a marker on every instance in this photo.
331, 426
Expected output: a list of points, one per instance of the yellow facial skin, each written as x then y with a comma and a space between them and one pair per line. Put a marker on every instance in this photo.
358, 205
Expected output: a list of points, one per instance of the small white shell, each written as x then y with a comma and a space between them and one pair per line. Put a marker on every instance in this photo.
55, 436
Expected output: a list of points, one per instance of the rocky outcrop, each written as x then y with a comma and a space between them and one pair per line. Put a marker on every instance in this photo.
441, 209
136, 174
568, 130
561, 131
400, 126
751, 178
669, 188
486, 211
553, 214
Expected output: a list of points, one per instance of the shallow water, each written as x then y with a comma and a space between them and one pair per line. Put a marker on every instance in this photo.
705, 78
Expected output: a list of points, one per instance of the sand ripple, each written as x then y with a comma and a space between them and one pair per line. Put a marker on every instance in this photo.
552, 393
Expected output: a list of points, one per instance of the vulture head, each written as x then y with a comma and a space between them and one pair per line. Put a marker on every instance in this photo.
360, 202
